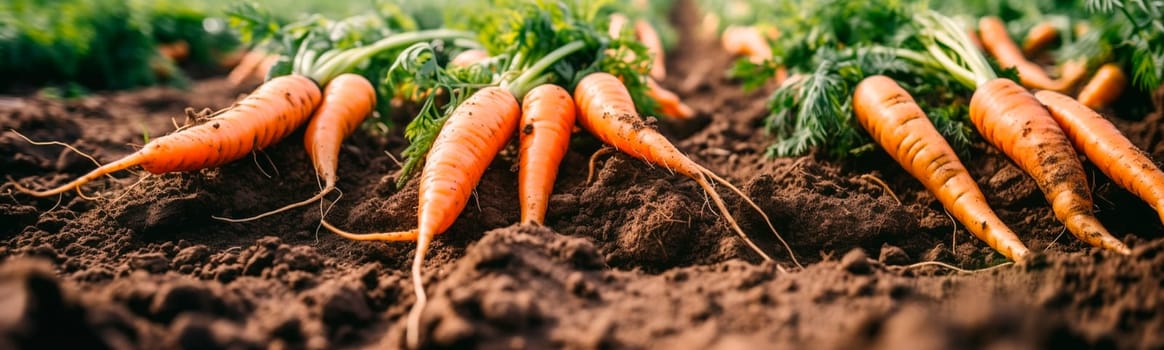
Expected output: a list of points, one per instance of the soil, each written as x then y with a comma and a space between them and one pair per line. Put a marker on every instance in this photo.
637, 258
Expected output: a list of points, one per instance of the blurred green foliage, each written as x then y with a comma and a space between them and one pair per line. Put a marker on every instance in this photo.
75, 46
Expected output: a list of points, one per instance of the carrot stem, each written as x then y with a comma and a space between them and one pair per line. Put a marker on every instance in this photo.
529, 78
347, 60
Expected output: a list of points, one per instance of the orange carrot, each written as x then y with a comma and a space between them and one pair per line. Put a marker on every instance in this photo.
650, 38
1039, 37
1011, 119
669, 103
269, 114
468, 57
1103, 89
974, 39
617, 23
746, 41
1106, 147
466, 144
347, 100
547, 120
175, 51
606, 110
749, 42
265, 65
998, 42
246, 67
895, 122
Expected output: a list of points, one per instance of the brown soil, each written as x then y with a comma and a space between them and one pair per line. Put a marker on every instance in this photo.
636, 259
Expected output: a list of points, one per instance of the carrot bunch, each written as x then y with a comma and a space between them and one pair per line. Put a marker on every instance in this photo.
861, 67
317, 85
472, 110
1013, 120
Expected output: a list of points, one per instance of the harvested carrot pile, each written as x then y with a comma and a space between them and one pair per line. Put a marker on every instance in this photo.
597, 174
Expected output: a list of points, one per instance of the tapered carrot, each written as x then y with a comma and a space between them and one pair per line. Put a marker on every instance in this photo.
999, 44
606, 110
1103, 88
347, 100
547, 120
669, 103
650, 38
272, 112
474, 133
1106, 147
1015, 122
896, 123
1039, 37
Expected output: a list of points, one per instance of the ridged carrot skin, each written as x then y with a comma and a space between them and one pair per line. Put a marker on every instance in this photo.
547, 121
1103, 88
899, 125
266, 116
999, 44
1011, 119
1106, 147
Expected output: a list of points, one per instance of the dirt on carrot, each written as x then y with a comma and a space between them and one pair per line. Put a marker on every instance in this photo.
152, 270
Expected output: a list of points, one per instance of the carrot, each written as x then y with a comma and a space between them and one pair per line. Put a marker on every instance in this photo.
1039, 37
746, 41
650, 38
175, 51
547, 120
475, 132
606, 110
998, 42
264, 66
669, 103
347, 99
749, 42
269, 114
895, 121
617, 23
1103, 88
1015, 122
246, 66
974, 39
468, 57
1106, 147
